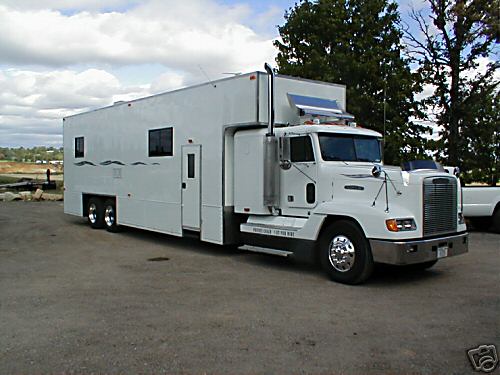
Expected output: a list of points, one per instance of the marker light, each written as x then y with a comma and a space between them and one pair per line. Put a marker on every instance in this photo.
400, 225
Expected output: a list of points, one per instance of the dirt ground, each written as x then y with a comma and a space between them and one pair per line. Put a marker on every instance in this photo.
77, 300
28, 168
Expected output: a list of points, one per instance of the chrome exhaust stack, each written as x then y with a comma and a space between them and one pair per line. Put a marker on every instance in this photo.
271, 171
270, 106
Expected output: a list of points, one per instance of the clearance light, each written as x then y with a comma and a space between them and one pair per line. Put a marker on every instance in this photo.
400, 225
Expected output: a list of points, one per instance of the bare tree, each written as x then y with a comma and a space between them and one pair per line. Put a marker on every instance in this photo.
451, 43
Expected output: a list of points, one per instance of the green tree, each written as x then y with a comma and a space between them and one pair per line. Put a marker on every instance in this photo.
482, 137
450, 45
357, 43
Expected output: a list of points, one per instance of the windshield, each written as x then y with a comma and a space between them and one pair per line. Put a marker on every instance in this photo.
349, 147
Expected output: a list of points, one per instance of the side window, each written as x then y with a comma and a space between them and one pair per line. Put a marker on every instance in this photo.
161, 142
301, 149
190, 165
79, 147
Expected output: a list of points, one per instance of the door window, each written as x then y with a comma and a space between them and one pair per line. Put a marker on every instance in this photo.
301, 149
190, 165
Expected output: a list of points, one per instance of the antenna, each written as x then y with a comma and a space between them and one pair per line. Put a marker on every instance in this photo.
206, 76
385, 117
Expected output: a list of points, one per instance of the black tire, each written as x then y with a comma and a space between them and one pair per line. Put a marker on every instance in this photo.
110, 216
481, 223
95, 213
496, 220
357, 266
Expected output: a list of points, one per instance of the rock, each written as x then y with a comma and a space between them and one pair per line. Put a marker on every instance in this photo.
52, 197
8, 196
2, 195
25, 195
38, 194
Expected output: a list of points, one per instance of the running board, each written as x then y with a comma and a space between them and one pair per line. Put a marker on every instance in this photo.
265, 250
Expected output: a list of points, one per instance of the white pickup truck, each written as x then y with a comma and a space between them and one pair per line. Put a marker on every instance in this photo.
482, 206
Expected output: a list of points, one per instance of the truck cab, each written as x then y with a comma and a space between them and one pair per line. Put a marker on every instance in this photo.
335, 198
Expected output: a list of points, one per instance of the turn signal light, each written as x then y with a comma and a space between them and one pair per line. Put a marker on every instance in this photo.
391, 225
400, 225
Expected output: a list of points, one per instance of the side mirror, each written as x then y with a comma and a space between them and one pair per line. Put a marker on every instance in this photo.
284, 150
376, 171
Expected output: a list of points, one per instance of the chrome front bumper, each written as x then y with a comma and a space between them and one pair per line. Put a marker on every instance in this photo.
419, 251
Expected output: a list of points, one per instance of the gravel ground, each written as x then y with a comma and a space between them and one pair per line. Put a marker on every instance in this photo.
77, 300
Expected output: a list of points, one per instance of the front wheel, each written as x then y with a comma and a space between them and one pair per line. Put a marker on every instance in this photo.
345, 253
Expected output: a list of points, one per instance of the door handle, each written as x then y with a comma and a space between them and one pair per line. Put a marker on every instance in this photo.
183, 185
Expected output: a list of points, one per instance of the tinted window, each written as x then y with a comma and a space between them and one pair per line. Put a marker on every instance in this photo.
310, 193
190, 165
301, 149
160, 142
348, 147
79, 147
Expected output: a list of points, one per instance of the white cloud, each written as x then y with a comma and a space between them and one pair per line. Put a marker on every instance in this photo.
179, 35
34, 103
60, 54
69, 4
167, 81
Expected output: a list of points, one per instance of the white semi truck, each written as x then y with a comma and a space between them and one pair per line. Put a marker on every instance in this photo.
271, 163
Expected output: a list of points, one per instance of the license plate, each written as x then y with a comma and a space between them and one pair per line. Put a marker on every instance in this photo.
442, 251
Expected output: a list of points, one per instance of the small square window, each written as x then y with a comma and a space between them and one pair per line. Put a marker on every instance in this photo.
79, 147
301, 149
161, 142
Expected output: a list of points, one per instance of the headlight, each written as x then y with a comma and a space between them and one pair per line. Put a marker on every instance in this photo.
400, 225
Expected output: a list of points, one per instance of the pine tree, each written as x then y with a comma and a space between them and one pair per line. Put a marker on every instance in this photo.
357, 43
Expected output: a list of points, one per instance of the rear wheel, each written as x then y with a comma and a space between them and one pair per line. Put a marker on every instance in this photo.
345, 253
110, 215
95, 213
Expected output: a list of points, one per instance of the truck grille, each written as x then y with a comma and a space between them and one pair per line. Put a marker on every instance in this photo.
440, 205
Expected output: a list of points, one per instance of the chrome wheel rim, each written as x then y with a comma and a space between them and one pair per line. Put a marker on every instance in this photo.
109, 216
341, 253
92, 213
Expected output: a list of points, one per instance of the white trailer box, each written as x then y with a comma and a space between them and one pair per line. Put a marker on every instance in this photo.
274, 163
201, 120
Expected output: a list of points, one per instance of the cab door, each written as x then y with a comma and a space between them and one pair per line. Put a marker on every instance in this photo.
298, 187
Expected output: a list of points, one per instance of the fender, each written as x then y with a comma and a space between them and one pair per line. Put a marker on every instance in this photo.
371, 219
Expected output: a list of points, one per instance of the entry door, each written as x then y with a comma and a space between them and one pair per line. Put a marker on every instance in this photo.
191, 187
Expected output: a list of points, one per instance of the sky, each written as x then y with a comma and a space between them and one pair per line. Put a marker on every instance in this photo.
60, 57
